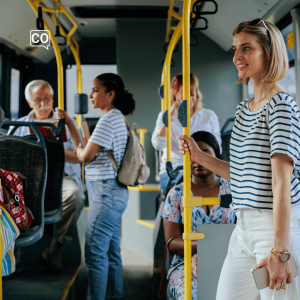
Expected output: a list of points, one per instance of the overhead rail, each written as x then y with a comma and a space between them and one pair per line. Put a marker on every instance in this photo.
184, 119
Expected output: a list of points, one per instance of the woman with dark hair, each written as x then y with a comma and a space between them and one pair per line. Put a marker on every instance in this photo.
107, 198
204, 183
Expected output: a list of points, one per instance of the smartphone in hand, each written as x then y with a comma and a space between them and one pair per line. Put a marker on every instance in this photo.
262, 278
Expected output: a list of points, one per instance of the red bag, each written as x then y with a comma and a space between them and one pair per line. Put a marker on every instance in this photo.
14, 198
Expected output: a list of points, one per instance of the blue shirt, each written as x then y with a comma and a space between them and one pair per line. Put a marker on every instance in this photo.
71, 169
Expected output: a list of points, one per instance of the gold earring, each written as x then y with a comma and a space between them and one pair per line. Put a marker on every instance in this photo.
109, 100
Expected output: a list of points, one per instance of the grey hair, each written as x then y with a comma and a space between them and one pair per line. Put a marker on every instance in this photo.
34, 85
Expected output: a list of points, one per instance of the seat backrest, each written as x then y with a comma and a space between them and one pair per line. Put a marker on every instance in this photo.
211, 253
18, 154
55, 172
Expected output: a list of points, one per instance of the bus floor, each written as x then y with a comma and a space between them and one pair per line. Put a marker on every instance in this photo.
37, 283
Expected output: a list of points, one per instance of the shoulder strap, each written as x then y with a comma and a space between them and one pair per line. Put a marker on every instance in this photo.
109, 152
162, 289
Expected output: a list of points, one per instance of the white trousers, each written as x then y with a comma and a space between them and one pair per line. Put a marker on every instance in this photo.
251, 241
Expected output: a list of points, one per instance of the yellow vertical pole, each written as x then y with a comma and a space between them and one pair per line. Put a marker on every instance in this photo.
142, 133
163, 107
186, 158
60, 73
167, 80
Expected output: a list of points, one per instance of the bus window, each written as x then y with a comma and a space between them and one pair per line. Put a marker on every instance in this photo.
14, 94
89, 73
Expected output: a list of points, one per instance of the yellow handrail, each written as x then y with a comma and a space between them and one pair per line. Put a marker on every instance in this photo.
167, 78
62, 9
186, 158
70, 38
167, 38
142, 133
75, 52
60, 73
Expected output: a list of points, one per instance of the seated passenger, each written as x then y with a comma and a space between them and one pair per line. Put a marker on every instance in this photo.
206, 184
201, 119
39, 96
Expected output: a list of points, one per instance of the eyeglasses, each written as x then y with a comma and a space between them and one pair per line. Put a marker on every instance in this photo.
39, 100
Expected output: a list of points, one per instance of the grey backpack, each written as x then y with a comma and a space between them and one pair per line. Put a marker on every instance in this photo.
133, 170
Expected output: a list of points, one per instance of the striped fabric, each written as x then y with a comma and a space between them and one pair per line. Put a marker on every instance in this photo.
111, 134
9, 233
252, 145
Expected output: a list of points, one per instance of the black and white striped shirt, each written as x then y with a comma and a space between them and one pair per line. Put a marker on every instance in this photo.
254, 141
111, 134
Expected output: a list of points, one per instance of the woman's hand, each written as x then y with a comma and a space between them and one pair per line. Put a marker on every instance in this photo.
61, 114
188, 144
280, 272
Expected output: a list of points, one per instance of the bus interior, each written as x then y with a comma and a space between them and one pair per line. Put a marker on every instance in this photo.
135, 39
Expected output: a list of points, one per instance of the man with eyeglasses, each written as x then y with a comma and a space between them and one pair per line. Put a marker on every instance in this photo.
39, 96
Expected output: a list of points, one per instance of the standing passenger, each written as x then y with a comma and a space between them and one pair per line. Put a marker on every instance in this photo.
107, 197
201, 119
264, 170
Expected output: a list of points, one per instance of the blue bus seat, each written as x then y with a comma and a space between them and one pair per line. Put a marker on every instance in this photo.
18, 154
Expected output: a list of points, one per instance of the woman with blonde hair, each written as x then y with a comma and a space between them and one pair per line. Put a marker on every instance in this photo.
201, 119
264, 170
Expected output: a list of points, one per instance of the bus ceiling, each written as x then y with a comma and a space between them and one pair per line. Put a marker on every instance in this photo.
90, 16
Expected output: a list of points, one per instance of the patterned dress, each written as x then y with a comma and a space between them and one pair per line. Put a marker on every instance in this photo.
173, 211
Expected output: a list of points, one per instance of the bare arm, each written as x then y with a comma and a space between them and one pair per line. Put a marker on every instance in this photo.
88, 153
71, 157
215, 165
177, 245
282, 168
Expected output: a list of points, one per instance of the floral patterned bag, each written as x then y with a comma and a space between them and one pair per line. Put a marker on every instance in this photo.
12, 184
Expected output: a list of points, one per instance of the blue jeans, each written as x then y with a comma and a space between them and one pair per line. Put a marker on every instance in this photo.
164, 179
107, 202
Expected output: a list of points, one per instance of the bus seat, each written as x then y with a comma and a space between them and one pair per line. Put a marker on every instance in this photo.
225, 137
212, 250
29, 158
55, 176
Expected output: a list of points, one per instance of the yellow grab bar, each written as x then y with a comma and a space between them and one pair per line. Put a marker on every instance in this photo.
167, 78
171, 6
142, 133
186, 157
62, 9
75, 52
60, 73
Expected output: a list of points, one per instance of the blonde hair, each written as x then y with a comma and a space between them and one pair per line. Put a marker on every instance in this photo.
176, 83
271, 40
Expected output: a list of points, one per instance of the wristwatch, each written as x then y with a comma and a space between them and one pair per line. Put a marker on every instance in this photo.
283, 256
